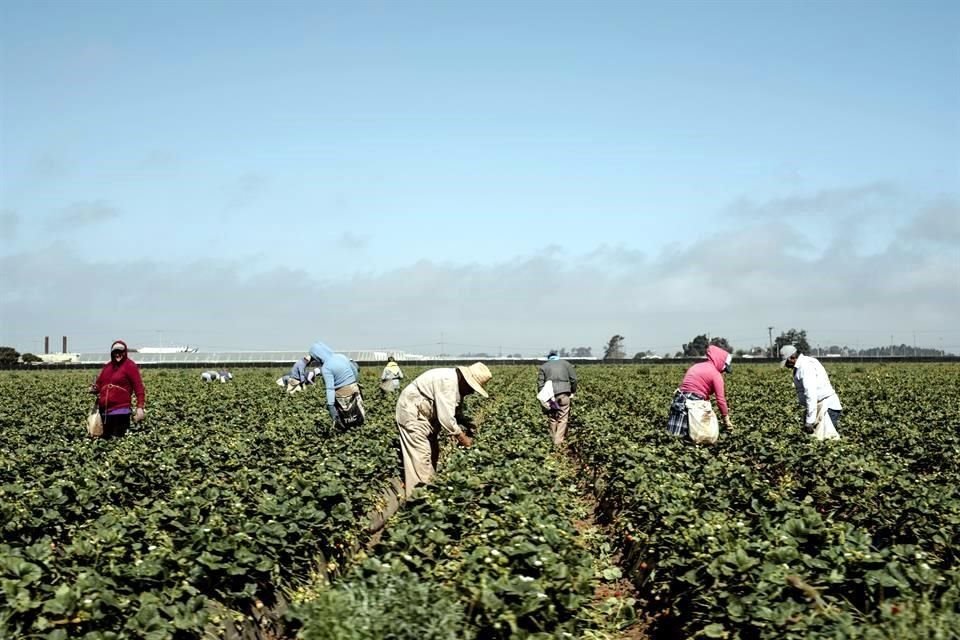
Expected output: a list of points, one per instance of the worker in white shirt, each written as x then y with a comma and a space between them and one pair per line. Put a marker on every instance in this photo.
814, 391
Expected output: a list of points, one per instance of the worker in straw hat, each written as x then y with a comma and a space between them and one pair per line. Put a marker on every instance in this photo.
430, 404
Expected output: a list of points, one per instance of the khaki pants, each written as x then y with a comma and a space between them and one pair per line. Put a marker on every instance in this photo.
419, 442
557, 418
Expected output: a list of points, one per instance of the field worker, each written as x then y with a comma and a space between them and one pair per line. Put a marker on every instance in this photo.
118, 381
297, 377
391, 376
429, 404
209, 376
814, 391
563, 377
225, 375
344, 400
700, 382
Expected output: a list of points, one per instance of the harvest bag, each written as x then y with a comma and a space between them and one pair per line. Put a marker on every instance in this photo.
704, 427
350, 410
94, 424
546, 397
825, 428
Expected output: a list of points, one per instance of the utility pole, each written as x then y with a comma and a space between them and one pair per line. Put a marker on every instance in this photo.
770, 335
441, 343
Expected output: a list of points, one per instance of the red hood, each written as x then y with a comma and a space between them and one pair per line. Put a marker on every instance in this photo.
124, 358
717, 356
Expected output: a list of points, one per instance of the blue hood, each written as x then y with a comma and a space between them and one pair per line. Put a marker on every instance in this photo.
337, 369
321, 351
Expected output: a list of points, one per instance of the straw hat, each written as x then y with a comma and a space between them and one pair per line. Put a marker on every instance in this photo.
476, 376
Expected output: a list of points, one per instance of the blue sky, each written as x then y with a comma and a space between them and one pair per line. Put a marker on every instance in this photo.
398, 170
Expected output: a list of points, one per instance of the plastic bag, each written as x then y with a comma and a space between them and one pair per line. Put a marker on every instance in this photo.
704, 426
545, 396
350, 410
95, 424
825, 428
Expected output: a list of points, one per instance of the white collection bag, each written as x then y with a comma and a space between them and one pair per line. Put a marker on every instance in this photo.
703, 423
94, 423
545, 396
825, 428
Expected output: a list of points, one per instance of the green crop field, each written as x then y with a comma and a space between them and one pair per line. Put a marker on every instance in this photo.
235, 510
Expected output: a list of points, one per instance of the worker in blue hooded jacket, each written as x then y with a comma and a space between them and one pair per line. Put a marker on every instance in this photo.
340, 377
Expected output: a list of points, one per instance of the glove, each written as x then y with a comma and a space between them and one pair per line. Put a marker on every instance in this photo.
139, 415
332, 410
464, 439
728, 422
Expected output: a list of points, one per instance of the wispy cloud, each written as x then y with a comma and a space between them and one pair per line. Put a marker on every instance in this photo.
83, 214
246, 190
350, 240
825, 203
939, 223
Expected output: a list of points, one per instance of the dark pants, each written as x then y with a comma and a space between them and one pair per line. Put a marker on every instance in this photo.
116, 425
835, 417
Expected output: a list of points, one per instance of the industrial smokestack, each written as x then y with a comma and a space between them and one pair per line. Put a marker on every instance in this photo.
64, 344
46, 345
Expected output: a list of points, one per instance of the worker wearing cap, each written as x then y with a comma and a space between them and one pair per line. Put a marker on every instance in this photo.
563, 378
118, 382
814, 391
429, 405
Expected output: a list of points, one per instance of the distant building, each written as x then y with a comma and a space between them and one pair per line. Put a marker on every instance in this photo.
185, 349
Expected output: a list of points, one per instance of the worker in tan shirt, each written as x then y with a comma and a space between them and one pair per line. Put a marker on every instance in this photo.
429, 404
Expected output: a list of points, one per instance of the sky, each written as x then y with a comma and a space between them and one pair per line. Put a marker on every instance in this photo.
478, 176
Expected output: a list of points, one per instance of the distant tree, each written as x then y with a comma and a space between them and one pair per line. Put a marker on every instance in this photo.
563, 353
614, 348
29, 357
794, 337
722, 343
696, 347
582, 352
8, 356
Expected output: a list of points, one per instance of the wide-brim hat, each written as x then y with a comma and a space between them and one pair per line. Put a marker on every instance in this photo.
476, 376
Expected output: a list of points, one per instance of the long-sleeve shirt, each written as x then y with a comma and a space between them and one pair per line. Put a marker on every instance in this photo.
299, 370
813, 387
705, 378
561, 373
338, 370
116, 385
435, 395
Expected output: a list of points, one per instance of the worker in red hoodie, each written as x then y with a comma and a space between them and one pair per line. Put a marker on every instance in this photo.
117, 383
700, 382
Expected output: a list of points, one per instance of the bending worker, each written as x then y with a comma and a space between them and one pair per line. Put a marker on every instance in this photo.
700, 382
344, 401
429, 404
